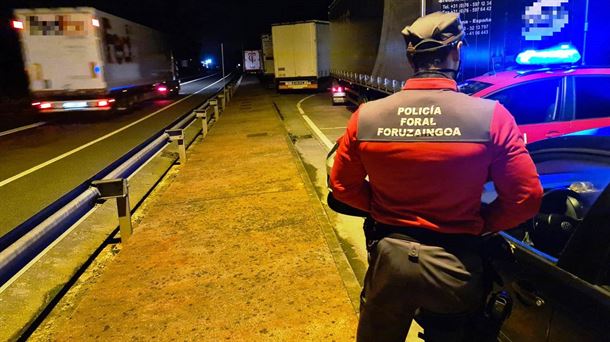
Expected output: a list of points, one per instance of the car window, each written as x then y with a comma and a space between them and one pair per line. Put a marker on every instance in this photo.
592, 97
572, 185
531, 102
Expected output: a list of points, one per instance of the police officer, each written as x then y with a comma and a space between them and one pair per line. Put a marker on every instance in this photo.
427, 151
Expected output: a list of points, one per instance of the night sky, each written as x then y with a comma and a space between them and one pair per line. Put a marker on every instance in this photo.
195, 21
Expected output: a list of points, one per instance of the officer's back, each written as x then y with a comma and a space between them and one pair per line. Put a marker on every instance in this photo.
427, 152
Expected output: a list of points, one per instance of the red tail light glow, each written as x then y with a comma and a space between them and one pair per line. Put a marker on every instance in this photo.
162, 89
45, 105
18, 25
337, 89
103, 103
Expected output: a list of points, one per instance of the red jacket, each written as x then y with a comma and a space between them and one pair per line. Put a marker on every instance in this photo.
437, 185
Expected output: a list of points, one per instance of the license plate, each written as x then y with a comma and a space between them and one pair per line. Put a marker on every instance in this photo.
75, 104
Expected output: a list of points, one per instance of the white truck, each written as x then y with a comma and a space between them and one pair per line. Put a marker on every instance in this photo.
84, 59
301, 53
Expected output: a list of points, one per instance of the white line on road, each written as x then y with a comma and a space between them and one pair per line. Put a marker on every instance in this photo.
22, 128
321, 136
198, 79
82, 147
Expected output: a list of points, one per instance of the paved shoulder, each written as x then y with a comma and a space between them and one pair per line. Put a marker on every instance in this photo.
230, 250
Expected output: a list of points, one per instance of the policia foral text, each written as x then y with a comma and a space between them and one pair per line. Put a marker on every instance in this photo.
427, 151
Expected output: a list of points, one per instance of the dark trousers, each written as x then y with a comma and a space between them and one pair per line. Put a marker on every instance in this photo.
444, 284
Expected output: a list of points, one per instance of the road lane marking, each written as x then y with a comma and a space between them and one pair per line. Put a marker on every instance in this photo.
22, 128
329, 128
198, 79
82, 147
321, 136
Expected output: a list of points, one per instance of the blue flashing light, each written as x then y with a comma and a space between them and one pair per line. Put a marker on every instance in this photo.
562, 54
97, 69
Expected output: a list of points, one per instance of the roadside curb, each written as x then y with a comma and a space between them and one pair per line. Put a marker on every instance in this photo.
350, 281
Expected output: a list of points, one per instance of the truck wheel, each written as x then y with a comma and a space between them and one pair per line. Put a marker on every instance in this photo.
124, 105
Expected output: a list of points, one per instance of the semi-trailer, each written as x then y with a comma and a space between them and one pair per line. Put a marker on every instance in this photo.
301, 53
83, 59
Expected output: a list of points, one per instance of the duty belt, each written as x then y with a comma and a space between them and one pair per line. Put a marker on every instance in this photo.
424, 236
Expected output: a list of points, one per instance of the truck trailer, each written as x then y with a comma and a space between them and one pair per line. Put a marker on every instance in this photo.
82, 59
301, 54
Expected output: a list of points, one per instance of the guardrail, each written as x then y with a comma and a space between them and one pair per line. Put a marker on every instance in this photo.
114, 185
384, 85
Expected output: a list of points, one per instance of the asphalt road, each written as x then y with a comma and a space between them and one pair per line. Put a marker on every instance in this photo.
40, 165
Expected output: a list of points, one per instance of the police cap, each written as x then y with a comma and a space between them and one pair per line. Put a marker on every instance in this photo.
433, 31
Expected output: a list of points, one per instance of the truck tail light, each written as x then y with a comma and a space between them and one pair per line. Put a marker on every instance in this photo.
104, 102
18, 24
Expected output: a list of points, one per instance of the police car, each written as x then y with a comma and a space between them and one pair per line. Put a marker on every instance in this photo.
558, 273
549, 101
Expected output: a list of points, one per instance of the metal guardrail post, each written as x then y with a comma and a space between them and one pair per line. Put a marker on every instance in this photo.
177, 135
202, 114
214, 102
223, 102
227, 92
119, 189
